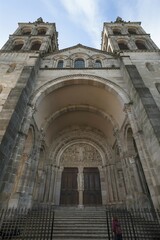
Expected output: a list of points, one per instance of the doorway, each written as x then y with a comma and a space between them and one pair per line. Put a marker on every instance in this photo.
69, 190
91, 187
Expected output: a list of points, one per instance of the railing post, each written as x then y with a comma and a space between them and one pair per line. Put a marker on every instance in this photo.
108, 223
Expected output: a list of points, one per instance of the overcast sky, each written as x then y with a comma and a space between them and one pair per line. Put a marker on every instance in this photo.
79, 21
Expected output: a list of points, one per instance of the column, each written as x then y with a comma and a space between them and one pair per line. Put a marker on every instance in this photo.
80, 181
57, 190
41, 188
121, 185
114, 183
141, 147
47, 183
124, 167
52, 182
129, 183
45, 45
138, 186
35, 161
103, 184
109, 180
137, 134
106, 184
68, 64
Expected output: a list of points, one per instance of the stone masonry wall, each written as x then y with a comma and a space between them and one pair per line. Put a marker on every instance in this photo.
145, 95
10, 119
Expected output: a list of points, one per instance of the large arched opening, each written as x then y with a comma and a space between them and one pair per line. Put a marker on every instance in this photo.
78, 116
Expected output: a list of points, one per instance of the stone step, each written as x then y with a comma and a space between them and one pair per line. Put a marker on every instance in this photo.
79, 220
80, 214
80, 235
79, 230
88, 223
73, 223
80, 238
61, 225
89, 228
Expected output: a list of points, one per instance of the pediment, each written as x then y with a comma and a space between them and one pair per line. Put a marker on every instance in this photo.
80, 50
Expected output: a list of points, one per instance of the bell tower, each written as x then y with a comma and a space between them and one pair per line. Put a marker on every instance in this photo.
33, 37
126, 36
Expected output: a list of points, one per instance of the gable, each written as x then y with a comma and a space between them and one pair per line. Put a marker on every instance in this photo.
90, 56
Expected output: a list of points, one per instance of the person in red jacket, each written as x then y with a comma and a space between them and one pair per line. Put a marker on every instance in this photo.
116, 228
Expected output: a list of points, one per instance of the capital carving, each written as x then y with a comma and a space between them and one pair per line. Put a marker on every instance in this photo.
127, 107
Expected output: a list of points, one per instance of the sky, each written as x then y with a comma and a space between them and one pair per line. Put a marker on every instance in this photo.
79, 21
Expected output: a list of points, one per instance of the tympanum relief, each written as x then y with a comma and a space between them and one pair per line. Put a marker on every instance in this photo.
81, 154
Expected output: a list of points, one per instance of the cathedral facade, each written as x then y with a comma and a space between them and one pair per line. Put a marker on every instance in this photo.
80, 126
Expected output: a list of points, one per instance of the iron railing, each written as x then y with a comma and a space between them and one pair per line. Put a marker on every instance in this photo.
38, 223
135, 223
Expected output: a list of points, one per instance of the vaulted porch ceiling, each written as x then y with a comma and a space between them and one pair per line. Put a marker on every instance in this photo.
79, 105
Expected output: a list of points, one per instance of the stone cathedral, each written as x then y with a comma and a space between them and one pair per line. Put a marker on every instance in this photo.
80, 126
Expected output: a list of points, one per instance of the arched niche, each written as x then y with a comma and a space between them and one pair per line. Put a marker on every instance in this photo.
17, 46
123, 45
35, 45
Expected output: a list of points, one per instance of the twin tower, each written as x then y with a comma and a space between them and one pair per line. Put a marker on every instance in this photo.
43, 37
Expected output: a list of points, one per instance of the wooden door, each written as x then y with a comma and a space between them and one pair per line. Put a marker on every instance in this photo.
92, 188
69, 192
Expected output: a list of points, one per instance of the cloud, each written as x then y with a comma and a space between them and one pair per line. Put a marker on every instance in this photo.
85, 14
145, 11
50, 7
89, 15
82, 20
148, 13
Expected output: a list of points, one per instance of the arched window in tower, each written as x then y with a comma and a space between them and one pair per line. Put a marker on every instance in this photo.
98, 64
141, 45
26, 31
36, 46
41, 31
79, 63
132, 31
17, 46
60, 64
123, 46
116, 32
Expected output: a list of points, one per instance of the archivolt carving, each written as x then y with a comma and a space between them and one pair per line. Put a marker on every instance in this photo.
80, 154
81, 134
100, 82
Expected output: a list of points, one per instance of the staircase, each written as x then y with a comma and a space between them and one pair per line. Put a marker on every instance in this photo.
75, 223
